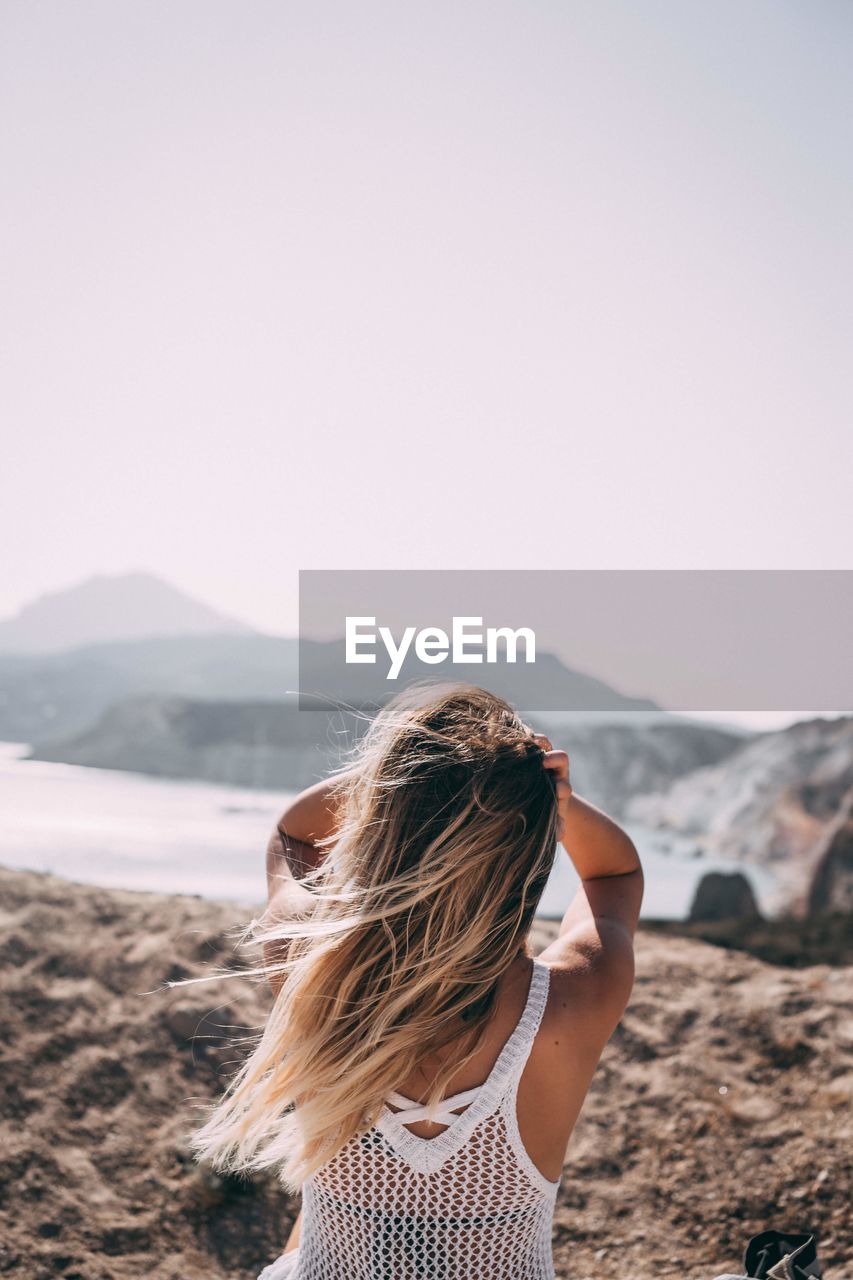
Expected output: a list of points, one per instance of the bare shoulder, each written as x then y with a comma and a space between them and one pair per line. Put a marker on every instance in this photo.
591, 978
592, 957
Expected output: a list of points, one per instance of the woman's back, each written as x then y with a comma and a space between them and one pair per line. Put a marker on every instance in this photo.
392, 1205
402, 895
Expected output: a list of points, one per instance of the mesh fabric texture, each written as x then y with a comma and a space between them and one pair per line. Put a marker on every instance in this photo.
468, 1204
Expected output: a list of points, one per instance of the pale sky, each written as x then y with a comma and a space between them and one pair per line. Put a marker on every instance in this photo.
391, 285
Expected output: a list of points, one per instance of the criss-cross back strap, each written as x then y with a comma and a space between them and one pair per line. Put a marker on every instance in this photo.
428, 1154
442, 1113
477, 1101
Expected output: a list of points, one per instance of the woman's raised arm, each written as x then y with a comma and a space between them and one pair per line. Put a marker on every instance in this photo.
296, 847
298, 843
595, 939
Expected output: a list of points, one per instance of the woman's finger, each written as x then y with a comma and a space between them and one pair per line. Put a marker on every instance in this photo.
558, 761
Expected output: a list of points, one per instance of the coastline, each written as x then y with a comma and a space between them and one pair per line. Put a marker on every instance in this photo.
169, 835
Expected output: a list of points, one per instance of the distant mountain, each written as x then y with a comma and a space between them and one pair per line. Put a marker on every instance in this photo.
56, 695
131, 606
60, 694
546, 684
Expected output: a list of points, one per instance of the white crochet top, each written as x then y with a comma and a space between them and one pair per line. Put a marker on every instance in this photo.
468, 1204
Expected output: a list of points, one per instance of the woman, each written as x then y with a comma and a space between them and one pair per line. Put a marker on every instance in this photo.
420, 1072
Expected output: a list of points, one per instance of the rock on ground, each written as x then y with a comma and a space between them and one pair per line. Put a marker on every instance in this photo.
723, 895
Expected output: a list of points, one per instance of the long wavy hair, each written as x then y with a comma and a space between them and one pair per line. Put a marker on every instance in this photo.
425, 897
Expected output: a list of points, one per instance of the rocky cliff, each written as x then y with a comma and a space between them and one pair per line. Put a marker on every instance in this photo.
250, 744
274, 745
831, 888
771, 801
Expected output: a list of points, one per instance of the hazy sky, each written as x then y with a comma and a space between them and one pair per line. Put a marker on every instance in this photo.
432, 285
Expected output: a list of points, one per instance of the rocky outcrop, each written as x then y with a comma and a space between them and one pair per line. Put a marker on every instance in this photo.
270, 745
832, 884
723, 895
614, 761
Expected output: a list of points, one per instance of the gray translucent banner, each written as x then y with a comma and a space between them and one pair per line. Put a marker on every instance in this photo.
583, 640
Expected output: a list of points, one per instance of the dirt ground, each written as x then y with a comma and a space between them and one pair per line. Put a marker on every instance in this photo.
722, 1105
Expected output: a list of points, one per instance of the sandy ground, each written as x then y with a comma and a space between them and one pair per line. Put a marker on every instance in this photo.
722, 1105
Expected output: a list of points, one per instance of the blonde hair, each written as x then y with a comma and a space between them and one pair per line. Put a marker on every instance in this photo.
426, 896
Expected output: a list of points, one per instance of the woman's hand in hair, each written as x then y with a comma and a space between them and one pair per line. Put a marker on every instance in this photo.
596, 844
594, 946
557, 762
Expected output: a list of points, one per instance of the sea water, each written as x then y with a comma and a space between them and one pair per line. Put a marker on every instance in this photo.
130, 831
